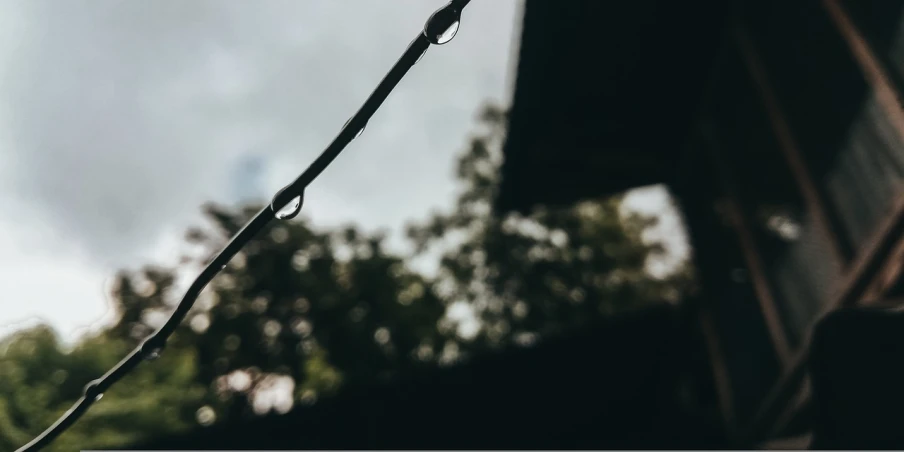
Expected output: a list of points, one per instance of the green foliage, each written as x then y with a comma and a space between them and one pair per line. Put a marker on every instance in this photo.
548, 272
323, 310
39, 381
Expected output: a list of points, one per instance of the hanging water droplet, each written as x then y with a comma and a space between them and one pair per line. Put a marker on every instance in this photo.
285, 206
92, 390
290, 210
442, 26
360, 131
448, 34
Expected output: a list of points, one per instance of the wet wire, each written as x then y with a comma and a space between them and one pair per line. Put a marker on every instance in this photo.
440, 28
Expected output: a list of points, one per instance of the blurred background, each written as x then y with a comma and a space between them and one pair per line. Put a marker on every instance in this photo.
579, 224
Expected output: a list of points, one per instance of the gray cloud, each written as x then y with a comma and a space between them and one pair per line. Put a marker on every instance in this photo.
121, 117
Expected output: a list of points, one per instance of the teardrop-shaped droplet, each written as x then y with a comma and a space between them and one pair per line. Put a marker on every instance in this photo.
360, 131
442, 26
447, 35
285, 206
290, 210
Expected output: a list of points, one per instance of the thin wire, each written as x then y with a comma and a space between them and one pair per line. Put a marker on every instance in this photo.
441, 21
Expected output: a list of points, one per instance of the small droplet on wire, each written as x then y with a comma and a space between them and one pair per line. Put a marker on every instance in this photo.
290, 210
360, 131
285, 206
448, 34
442, 26
152, 348
92, 391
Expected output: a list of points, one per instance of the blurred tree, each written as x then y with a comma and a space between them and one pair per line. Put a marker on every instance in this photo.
39, 381
295, 306
297, 311
551, 271
306, 312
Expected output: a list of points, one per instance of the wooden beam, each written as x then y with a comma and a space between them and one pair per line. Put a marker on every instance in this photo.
888, 98
887, 276
883, 89
719, 369
867, 260
816, 203
854, 284
872, 257
804, 395
884, 244
755, 266
800, 401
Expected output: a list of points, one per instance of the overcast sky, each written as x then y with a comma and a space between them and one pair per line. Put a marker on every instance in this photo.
119, 118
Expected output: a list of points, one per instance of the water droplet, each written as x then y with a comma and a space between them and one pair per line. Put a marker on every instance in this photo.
442, 26
92, 390
290, 210
286, 206
359, 131
151, 348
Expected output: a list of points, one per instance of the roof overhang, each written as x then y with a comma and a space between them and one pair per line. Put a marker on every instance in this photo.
604, 95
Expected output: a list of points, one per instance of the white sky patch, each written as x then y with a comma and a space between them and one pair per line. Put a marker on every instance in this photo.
655, 201
45, 285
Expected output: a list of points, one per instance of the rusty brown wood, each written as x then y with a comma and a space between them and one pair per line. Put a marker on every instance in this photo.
863, 265
862, 273
719, 369
816, 203
800, 401
876, 75
888, 275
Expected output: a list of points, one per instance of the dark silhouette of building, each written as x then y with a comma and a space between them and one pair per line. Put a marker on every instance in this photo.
615, 387
777, 126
